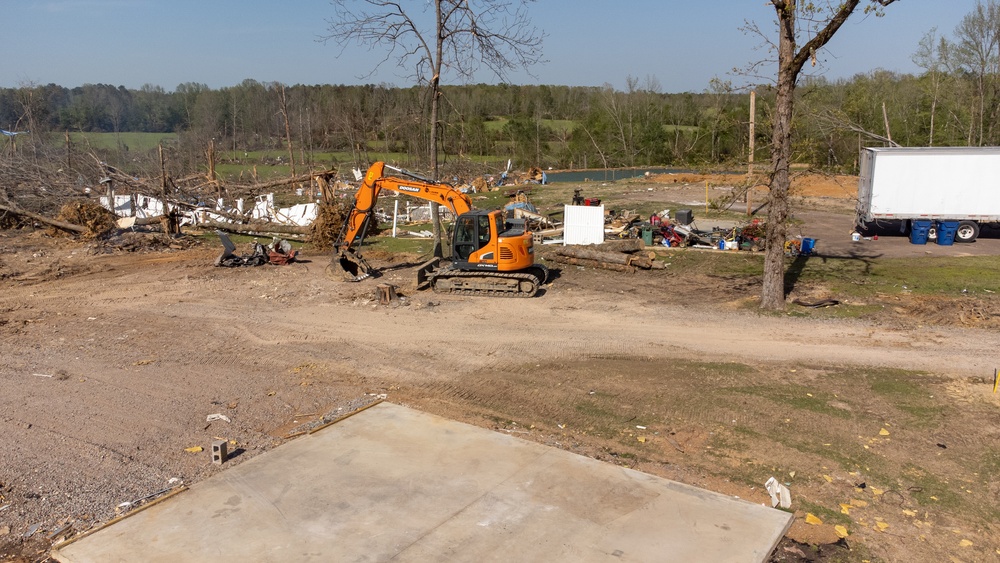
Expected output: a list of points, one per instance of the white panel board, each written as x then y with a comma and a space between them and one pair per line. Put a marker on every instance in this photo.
583, 224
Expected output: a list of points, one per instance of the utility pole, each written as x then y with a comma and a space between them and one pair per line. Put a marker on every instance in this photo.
753, 124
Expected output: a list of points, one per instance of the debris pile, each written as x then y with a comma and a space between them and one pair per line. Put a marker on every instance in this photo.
134, 241
278, 253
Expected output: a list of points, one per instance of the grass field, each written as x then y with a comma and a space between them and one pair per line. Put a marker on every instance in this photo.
128, 141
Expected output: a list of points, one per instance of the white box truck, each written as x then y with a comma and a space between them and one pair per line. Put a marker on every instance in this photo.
929, 183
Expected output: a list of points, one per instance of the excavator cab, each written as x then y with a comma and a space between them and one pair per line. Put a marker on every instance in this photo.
483, 241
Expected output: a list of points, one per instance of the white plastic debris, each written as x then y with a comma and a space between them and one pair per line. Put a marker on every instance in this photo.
779, 493
217, 416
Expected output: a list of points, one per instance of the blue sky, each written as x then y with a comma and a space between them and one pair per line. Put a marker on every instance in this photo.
683, 44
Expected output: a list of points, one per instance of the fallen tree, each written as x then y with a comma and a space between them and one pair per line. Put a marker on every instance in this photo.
640, 261
593, 263
62, 225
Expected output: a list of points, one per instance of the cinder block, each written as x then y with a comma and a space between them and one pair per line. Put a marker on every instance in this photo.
220, 451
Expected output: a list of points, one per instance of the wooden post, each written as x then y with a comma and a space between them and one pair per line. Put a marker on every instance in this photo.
885, 118
69, 154
753, 124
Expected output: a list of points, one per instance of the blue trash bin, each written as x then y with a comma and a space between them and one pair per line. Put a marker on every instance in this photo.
946, 232
919, 230
808, 245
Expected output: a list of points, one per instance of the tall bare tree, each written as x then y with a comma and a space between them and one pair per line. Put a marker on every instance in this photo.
977, 52
458, 36
821, 20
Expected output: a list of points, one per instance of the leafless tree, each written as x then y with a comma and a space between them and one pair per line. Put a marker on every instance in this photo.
456, 36
820, 21
977, 51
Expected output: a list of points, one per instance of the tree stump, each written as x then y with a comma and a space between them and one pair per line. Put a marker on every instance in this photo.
386, 293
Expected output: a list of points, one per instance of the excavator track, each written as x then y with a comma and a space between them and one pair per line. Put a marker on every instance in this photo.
492, 284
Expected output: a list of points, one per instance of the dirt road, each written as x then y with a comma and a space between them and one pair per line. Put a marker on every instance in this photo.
111, 365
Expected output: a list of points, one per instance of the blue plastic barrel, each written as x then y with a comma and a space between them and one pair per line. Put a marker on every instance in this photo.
807, 246
919, 230
946, 232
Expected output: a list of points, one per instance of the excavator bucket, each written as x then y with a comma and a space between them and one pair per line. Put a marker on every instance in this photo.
424, 272
353, 266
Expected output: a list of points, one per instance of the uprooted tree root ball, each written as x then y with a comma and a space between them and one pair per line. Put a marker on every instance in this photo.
12, 221
329, 221
91, 215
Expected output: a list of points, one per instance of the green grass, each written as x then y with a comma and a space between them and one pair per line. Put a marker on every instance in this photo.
133, 141
796, 397
922, 485
384, 242
907, 392
930, 275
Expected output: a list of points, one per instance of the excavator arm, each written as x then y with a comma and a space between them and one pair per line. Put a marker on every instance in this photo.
363, 211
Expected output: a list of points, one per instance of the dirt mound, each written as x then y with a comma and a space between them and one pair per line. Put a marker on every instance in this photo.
966, 312
808, 184
825, 185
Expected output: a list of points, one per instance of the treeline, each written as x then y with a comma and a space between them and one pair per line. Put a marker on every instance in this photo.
955, 101
559, 126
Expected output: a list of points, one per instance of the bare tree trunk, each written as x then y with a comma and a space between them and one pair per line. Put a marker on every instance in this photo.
790, 63
435, 99
773, 290
288, 130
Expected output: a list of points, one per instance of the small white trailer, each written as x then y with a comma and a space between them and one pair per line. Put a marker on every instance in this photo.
960, 184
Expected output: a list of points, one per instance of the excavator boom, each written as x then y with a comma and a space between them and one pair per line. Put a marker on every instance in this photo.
353, 265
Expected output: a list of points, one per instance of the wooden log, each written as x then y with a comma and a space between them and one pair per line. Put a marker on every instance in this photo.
43, 219
593, 263
600, 256
591, 254
637, 260
622, 245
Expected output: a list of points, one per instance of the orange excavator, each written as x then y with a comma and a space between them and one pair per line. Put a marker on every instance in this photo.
489, 256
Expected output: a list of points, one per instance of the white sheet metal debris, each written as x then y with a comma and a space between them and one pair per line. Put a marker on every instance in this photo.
142, 210
779, 493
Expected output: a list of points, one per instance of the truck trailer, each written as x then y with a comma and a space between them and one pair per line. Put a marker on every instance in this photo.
940, 184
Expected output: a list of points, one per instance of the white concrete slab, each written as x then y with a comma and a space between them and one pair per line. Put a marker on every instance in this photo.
392, 483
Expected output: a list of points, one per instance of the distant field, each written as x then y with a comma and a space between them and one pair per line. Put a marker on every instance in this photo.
129, 141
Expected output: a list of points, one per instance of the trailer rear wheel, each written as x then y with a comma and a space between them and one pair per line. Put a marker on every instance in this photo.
932, 233
967, 231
